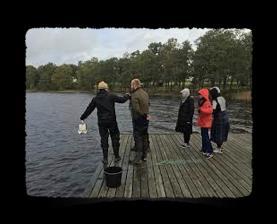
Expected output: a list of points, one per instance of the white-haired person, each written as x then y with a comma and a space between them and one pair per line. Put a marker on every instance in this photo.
140, 117
185, 116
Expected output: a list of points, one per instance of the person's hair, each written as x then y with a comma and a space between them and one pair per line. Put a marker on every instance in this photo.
102, 85
214, 93
136, 83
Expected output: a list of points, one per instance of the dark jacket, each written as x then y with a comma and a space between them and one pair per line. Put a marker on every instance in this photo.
139, 103
185, 116
104, 102
220, 126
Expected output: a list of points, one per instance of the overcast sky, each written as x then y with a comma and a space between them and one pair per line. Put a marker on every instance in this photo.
61, 45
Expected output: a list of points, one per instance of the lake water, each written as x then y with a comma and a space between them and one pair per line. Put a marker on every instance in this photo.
60, 162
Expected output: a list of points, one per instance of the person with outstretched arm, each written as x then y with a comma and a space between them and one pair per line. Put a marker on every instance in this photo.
105, 101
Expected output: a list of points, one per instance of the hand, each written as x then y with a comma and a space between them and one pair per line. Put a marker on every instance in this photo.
82, 121
148, 117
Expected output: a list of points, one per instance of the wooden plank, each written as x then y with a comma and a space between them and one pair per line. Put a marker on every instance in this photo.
211, 186
104, 189
244, 139
157, 174
125, 161
234, 158
96, 189
233, 180
226, 175
214, 172
238, 160
246, 172
202, 178
236, 168
206, 188
166, 183
129, 177
176, 169
111, 191
171, 174
217, 188
232, 185
150, 178
187, 176
239, 149
238, 144
99, 183
144, 193
238, 171
195, 176
172, 155
221, 189
244, 187
136, 182
244, 149
93, 179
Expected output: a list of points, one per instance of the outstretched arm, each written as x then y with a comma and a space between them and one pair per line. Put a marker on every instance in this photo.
89, 110
121, 99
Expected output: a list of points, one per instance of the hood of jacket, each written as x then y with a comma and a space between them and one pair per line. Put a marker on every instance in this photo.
204, 93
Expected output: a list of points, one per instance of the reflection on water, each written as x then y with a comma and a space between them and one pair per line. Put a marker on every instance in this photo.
60, 162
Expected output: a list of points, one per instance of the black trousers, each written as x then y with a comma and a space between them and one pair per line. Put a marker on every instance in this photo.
147, 134
187, 137
141, 136
106, 129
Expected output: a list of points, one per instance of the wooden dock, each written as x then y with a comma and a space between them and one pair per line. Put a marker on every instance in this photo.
171, 172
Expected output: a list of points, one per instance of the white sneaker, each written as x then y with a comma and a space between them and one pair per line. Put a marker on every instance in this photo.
209, 155
217, 150
185, 145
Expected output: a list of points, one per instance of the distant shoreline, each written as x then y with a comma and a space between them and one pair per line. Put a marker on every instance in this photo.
57, 91
243, 95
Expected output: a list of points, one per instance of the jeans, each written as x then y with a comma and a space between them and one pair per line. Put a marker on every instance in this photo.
104, 130
206, 144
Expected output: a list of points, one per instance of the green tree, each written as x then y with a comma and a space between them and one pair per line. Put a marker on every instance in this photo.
63, 77
87, 74
219, 58
32, 77
182, 62
45, 74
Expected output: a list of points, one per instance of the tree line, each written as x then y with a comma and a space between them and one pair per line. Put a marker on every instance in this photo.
222, 57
